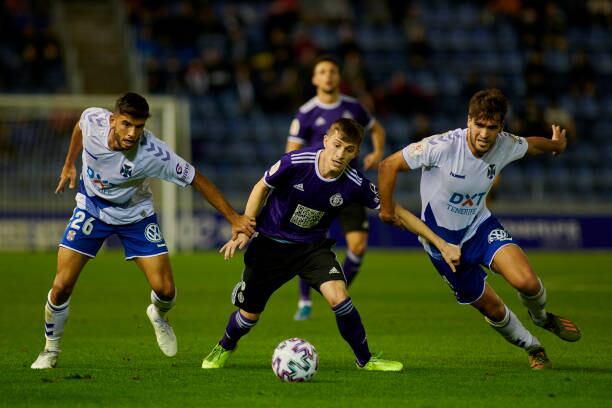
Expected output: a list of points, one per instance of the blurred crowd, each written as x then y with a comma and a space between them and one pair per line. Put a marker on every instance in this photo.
30, 53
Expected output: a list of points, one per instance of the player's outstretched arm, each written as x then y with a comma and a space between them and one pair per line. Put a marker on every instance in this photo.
69, 173
240, 223
378, 147
555, 145
387, 176
450, 252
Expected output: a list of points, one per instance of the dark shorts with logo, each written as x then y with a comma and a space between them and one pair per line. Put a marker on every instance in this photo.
270, 264
353, 217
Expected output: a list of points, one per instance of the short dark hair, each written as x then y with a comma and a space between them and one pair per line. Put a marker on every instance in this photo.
349, 130
325, 58
132, 104
488, 104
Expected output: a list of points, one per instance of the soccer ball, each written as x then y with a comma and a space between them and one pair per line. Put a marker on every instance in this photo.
295, 360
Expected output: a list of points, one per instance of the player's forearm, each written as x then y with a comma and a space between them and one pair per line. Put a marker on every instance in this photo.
387, 176
212, 194
257, 198
538, 145
414, 224
76, 145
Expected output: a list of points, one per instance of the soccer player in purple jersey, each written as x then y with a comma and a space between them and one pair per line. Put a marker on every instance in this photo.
295, 203
119, 155
458, 169
307, 130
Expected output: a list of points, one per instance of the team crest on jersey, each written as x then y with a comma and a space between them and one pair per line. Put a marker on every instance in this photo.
336, 200
320, 121
491, 171
153, 233
499, 234
126, 169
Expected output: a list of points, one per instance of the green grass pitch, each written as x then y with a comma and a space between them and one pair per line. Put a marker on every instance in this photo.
451, 357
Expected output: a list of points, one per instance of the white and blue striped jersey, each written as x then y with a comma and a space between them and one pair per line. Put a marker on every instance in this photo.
114, 185
455, 183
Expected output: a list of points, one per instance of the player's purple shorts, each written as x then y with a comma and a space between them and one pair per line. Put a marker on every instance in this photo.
86, 234
468, 282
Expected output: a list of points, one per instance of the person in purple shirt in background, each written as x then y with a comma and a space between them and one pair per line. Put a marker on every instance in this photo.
295, 203
307, 130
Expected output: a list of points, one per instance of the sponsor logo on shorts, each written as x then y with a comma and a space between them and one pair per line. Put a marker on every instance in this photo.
299, 186
336, 200
70, 235
499, 234
333, 270
152, 233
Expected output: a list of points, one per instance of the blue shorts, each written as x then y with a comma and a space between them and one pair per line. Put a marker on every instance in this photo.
86, 234
468, 283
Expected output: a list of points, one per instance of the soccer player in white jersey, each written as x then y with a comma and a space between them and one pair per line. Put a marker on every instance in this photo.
308, 129
119, 155
458, 169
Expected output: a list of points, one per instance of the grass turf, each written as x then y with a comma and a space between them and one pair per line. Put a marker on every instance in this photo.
451, 357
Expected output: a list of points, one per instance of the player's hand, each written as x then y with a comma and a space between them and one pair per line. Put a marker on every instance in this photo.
68, 174
243, 224
229, 249
371, 160
451, 254
558, 136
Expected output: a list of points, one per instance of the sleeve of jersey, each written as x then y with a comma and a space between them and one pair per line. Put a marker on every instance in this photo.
369, 193
420, 154
174, 168
297, 130
517, 147
87, 120
275, 175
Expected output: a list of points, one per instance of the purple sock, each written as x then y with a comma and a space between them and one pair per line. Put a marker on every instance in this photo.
351, 266
304, 290
352, 330
237, 327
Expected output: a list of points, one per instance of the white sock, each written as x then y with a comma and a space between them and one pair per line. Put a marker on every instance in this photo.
55, 319
302, 303
535, 304
162, 306
513, 330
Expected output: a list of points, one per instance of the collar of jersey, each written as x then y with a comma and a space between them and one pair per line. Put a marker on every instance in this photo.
329, 105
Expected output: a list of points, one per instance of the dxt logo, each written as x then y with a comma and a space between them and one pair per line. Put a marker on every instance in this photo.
468, 200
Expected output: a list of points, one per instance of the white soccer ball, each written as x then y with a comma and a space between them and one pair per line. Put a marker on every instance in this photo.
295, 360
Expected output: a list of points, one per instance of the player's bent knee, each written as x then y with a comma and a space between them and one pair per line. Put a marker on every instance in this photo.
250, 316
358, 248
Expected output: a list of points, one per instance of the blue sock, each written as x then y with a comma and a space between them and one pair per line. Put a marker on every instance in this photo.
237, 327
352, 330
351, 266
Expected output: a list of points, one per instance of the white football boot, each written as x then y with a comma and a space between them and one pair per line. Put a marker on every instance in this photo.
46, 359
163, 331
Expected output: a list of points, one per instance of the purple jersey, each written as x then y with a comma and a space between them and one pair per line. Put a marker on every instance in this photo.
315, 117
303, 204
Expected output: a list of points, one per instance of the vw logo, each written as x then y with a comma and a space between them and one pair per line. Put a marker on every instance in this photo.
152, 233
499, 235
